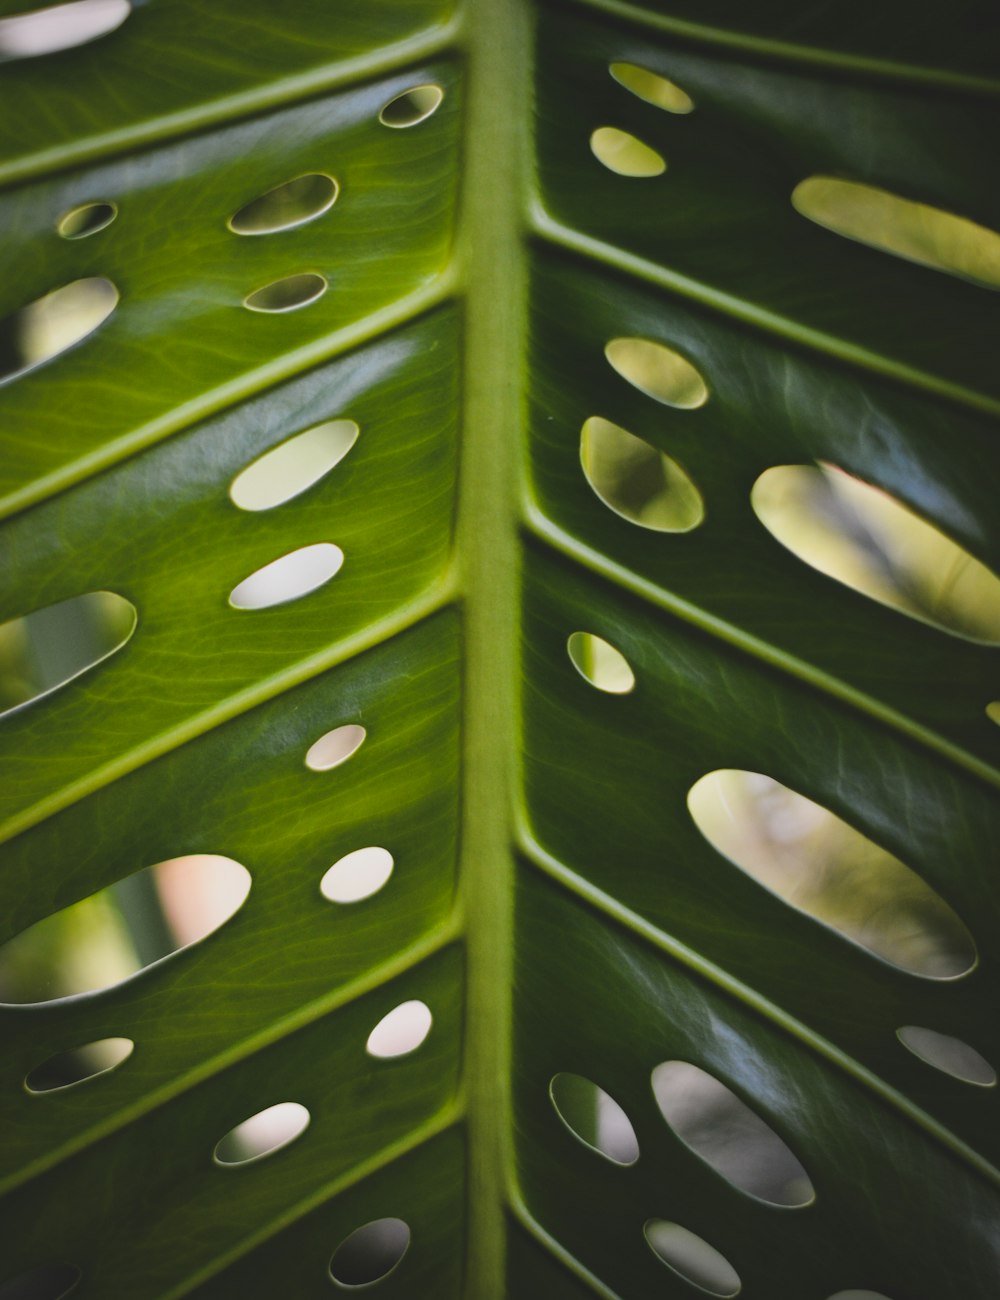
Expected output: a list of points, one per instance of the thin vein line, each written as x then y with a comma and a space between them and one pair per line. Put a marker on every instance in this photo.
547, 531
611, 908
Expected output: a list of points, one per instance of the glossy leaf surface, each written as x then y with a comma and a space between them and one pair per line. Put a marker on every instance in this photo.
524, 661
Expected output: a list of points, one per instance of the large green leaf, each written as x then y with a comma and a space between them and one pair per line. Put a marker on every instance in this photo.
552, 900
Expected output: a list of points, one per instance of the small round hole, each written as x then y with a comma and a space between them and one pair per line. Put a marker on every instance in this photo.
401, 1031
599, 663
637, 481
334, 747
87, 219
67, 1069
625, 154
292, 467
692, 1258
286, 206
658, 371
59, 27
357, 875
594, 1117
948, 1054
370, 1253
993, 711
288, 294
262, 1134
651, 87
288, 578
412, 106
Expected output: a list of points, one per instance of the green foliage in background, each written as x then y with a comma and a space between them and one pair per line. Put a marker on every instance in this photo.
552, 900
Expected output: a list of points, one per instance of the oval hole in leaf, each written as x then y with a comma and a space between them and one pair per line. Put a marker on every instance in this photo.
122, 929
822, 866
357, 875
692, 1258
993, 711
858, 1295
87, 219
262, 1134
59, 27
651, 87
864, 538
594, 1117
335, 747
724, 1132
67, 1069
44, 650
49, 1282
401, 1031
599, 663
289, 578
892, 224
658, 371
370, 1253
637, 481
289, 469
52, 325
948, 1054
412, 106
292, 204
287, 294
625, 154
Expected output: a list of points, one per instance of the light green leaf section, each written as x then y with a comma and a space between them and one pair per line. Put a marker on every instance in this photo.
551, 901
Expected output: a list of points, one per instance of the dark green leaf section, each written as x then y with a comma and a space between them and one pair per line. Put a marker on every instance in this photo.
962, 42
183, 1213
161, 530
288, 955
720, 217
768, 405
174, 64
426, 1190
893, 1213
699, 706
180, 343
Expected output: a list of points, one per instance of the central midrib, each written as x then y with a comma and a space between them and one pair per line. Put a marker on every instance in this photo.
491, 255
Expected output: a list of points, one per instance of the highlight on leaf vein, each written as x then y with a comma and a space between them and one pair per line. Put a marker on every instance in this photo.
599, 663
293, 466
594, 1117
287, 294
262, 1134
103, 939
637, 481
86, 219
948, 1054
59, 27
651, 87
730, 1137
412, 106
914, 231
658, 371
50, 647
625, 154
357, 875
292, 204
288, 578
46, 1282
370, 1253
692, 1258
821, 866
49, 326
866, 539
401, 1031
335, 747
